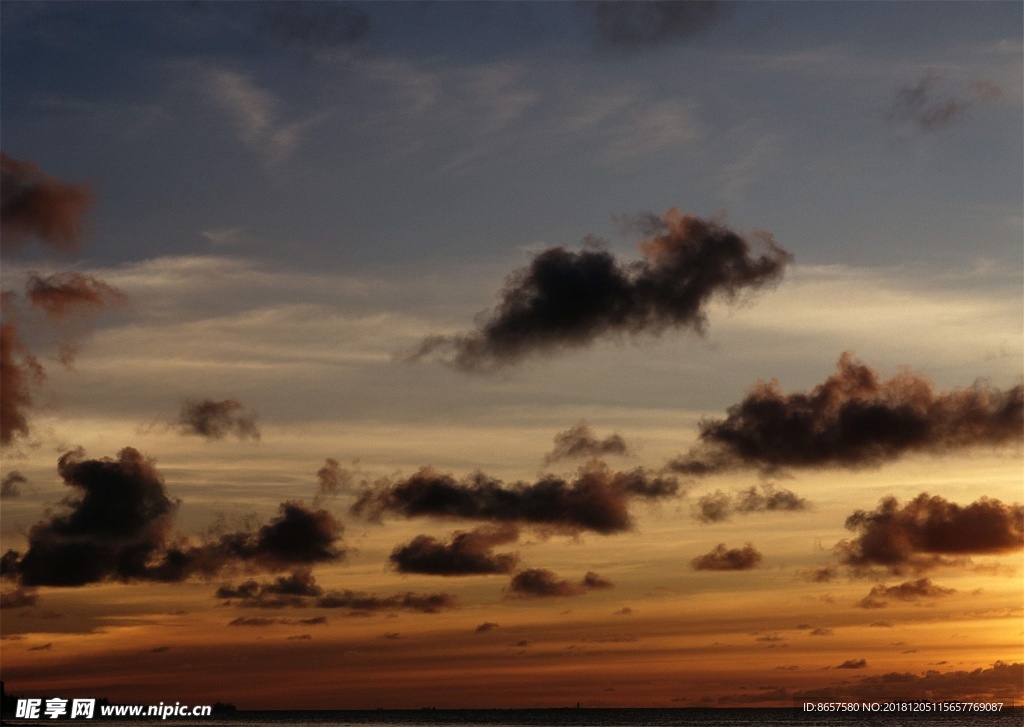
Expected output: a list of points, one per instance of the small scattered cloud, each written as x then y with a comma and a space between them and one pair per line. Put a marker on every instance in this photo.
853, 664
542, 583
215, 420
932, 104
467, 553
579, 441
37, 206
10, 486
485, 627
722, 558
922, 588
63, 294
718, 506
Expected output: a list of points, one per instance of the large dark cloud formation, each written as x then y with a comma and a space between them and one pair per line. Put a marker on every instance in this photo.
854, 419
570, 299
580, 441
718, 506
212, 419
909, 591
467, 553
723, 558
929, 531
596, 500
116, 522
117, 527
35, 205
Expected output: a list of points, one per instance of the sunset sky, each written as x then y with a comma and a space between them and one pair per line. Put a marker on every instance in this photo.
512, 354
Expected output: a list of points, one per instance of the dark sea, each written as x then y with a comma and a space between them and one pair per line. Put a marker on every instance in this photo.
564, 718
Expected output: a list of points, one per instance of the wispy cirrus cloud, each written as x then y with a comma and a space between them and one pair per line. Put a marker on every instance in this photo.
255, 113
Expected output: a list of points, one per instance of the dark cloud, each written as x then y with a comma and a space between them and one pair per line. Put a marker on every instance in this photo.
722, 558
826, 574
18, 598
632, 25
44, 647
116, 526
592, 581
20, 372
10, 485
485, 627
254, 621
908, 591
159, 649
63, 294
291, 590
467, 553
34, 205
854, 419
718, 506
579, 441
298, 536
368, 602
542, 583
928, 530
216, 419
596, 500
822, 632
930, 108
570, 299
312, 27
853, 664
115, 523
332, 480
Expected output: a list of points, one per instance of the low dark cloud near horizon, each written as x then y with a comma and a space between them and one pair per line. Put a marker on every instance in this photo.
635, 25
566, 300
596, 500
719, 507
214, 420
909, 591
117, 526
543, 583
931, 105
930, 531
466, 553
722, 558
37, 206
579, 441
854, 419
300, 590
